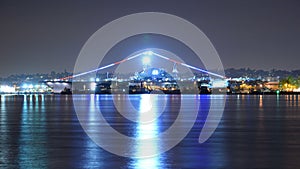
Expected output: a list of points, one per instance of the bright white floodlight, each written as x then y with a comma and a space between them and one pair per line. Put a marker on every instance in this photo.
146, 60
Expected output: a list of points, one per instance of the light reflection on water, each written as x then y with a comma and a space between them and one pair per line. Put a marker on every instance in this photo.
146, 129
33, 132
4, 153
42, 131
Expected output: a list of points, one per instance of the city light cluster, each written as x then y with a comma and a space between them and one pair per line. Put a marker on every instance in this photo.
290, 84
7, 89
25, 88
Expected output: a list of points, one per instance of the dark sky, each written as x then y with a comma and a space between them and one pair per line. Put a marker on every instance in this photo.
41, 36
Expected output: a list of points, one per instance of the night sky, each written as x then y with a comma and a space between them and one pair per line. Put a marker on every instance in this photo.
40, 36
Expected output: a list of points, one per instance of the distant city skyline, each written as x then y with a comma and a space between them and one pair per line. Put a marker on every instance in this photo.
40, 37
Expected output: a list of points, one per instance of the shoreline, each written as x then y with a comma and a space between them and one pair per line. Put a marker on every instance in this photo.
217, 93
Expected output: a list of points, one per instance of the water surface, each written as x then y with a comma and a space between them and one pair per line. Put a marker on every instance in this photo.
43, 131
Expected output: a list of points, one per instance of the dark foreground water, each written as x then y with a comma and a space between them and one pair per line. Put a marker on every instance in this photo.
43, 131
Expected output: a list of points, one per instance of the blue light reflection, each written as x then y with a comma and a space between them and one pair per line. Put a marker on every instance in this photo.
147, 128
